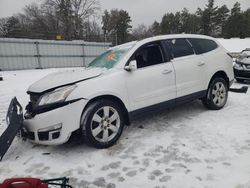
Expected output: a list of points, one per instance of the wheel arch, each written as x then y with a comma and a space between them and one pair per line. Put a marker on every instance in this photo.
220, 74
112, 98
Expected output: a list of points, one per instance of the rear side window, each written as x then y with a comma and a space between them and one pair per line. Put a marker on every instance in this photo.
203, 45
180, 48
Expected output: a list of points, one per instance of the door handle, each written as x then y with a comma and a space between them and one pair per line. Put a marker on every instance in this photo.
167, 71
201, 64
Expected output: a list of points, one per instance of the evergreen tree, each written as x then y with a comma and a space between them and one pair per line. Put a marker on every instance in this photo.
123, 26
190, 23
208, 18
156, 28
116, 25
247, 22
170, 23
221, 18
235, 25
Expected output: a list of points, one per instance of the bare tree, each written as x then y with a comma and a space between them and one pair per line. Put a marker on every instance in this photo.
71, 14
141, 32
85, 8
3, 22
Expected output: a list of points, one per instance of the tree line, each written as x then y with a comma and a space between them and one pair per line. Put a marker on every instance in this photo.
78, 19
212, 20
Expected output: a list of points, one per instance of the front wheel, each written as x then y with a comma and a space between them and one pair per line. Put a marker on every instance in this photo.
217, 94
102, 123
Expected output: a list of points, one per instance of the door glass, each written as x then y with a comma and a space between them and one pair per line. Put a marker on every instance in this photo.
148, 55
180, 48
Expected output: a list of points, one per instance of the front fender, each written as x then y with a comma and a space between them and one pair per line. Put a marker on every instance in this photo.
113, 85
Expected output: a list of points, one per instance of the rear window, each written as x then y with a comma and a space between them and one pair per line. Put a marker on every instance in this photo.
202, 45
180, 47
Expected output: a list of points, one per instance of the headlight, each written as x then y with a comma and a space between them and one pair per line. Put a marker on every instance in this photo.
56, 96
238, 66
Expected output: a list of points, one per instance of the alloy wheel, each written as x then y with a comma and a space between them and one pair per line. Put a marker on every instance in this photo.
105, 124
219, 94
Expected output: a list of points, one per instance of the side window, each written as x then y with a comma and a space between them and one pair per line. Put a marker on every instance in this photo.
150, 54
180, 47
202, 45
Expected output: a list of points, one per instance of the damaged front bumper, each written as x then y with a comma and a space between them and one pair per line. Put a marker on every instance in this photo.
50, 127
14, 119
54, 126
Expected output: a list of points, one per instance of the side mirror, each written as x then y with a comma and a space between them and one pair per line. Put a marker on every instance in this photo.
132, 66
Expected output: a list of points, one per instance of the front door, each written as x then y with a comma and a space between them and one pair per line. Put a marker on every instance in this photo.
153, 81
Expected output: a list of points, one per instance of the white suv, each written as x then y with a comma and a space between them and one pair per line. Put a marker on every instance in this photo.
125, 82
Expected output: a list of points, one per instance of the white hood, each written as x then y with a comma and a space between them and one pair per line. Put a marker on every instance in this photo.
58, 79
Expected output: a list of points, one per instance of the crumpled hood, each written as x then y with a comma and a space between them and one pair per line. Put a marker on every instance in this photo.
63, 78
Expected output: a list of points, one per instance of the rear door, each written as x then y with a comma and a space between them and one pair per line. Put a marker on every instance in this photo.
189, 67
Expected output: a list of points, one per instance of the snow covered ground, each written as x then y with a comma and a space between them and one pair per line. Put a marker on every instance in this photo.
188, 146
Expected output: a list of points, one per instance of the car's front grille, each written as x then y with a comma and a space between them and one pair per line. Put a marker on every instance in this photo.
31, 135
43, 136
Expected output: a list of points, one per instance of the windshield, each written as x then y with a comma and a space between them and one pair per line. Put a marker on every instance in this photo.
109, 58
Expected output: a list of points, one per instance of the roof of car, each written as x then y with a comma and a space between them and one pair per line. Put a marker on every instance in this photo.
162, 37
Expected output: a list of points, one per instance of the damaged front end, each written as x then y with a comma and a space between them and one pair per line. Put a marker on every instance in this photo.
48, 100
38, 105
51, 117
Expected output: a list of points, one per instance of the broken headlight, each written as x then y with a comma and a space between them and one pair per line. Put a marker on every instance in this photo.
56, 96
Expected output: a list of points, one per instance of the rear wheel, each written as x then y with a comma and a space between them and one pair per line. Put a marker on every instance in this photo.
102, 123
217, 94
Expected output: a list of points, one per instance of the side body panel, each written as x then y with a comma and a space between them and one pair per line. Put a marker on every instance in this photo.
218, 60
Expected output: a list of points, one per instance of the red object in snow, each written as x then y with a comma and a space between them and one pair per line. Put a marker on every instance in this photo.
23, 183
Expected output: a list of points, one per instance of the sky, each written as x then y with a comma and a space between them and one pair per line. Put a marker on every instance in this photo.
141, 11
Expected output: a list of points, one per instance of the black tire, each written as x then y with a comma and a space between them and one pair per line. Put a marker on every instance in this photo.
216, 101
239, 80
88, 123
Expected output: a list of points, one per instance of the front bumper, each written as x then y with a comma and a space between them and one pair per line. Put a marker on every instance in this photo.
55, 127
242, 74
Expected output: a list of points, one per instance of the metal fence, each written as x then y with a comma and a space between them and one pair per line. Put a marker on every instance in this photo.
17, 54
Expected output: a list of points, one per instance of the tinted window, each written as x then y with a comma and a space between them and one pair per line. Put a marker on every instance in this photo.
180, 47
148, 55
203, 45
